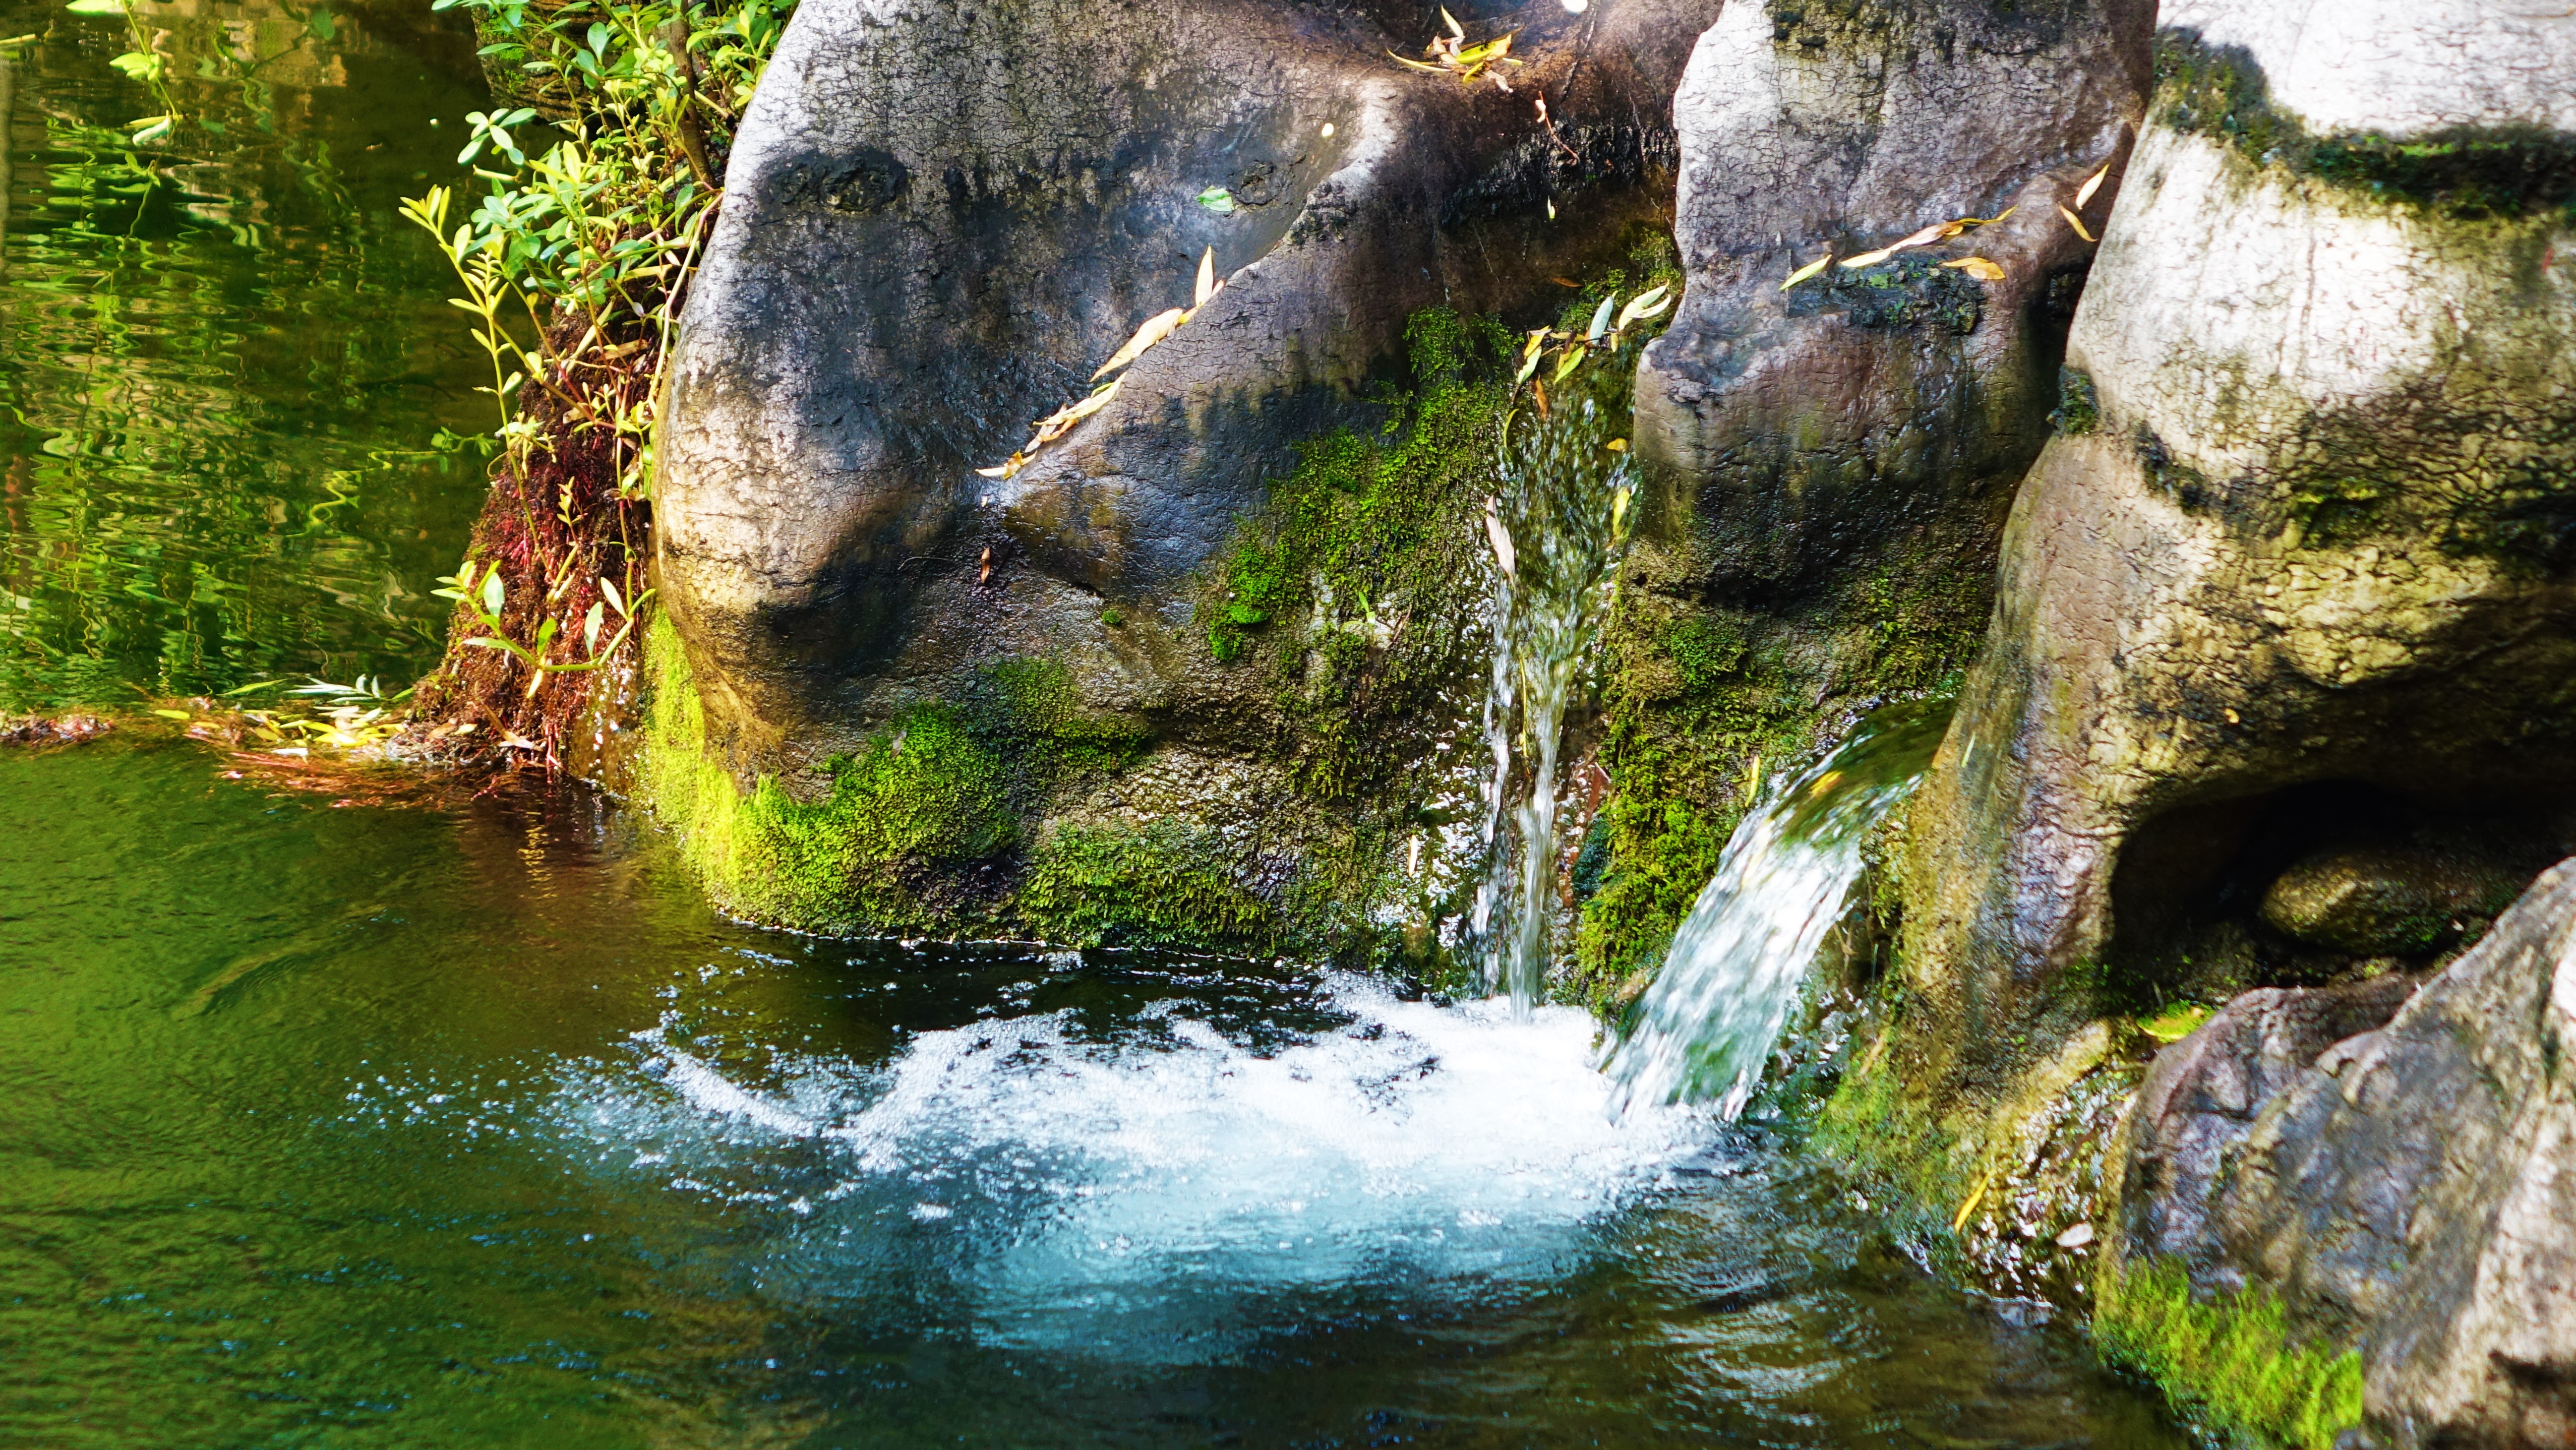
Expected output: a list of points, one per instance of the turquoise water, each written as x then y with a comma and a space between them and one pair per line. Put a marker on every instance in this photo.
403, 1114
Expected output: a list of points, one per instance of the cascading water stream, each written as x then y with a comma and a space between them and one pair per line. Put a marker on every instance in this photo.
1557, 525
1705, 1028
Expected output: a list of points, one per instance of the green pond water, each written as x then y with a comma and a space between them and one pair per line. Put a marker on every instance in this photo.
469, 1124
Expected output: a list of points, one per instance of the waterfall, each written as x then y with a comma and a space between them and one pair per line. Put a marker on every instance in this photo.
1556, 525
1706, 1026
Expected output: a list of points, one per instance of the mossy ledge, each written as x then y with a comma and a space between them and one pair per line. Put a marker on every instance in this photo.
2229, 1360
2466, 173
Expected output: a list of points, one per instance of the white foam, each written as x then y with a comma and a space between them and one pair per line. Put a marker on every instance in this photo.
1120, 1197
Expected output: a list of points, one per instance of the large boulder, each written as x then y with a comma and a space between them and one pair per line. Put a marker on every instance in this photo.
2408, 1191
2311, 517
939, 220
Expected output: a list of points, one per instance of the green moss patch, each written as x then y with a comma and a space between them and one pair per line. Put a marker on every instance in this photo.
2229, 1360
920, 800
1155, 886
2466, 173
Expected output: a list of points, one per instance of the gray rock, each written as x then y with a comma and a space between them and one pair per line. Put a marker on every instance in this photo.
939, 220
1816, 423
2410, 1190
2370, 901
2319, 528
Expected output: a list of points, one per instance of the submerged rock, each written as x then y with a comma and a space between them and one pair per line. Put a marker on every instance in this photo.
2409, 1191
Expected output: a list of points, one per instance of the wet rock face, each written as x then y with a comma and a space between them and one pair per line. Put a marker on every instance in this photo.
1812, 425
2409, 1190
2309, 526
941, 219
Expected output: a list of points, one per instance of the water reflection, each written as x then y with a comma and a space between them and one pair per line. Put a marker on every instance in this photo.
222, 356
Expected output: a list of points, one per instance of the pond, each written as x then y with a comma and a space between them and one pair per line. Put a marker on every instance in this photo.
441, 1118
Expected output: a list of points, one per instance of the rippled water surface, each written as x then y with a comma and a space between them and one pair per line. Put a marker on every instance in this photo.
222, 361
356, 1125
332, 1123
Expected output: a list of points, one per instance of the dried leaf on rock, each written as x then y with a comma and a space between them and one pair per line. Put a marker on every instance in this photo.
2092, 184
1206, 287
1161, 325
1060, 422
1977, 267
2076, 222
1807, 271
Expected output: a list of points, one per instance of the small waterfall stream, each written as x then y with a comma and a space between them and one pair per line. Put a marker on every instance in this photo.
1705, 1028
1557, 525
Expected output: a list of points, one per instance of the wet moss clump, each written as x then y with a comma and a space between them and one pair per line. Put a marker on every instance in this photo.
2228, 1360
1906, 291
906, 816
1355, 586
1152, 886
2467, 173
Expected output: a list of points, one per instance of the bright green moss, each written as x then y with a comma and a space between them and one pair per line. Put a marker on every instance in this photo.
1158, 886
921, 796
2229, 1360
1369, 543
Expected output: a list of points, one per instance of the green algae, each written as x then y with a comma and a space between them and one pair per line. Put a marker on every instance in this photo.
2229, 1360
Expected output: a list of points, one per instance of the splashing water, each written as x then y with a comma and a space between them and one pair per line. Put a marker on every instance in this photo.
1704, 1029
1557, 526
1119, 1195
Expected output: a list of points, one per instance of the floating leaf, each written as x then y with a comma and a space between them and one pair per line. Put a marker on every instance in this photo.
1219, 200
1807, 271
1206, 287
2076, 222
2091, 185
96, 7
1600, 319
1977, 267
153, 128
1161, 325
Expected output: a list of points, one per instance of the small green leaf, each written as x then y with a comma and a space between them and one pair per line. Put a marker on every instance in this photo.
1219, 200
493, 595
322, 25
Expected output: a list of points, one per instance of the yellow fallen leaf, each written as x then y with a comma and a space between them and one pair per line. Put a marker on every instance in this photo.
1438, 70
2076, 222
1004, 471
2085, 192
1869, 259
1060, 422
1617, 445
1807, 271
1207, 280
1977, 267
1649, 303
1156, 328
1451, 21
174, 714
1566, 365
